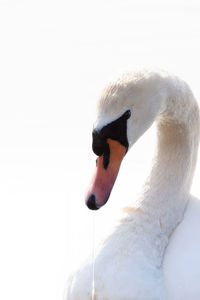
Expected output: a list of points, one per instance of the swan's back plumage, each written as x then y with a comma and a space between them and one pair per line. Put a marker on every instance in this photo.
182, 261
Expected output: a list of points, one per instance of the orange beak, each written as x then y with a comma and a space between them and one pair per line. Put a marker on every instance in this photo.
104, 178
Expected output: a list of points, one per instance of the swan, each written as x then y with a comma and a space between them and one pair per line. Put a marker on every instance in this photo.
129, 264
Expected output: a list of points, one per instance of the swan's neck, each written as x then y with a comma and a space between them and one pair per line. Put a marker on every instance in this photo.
166, 192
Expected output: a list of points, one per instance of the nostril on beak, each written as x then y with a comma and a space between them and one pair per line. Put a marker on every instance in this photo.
91, 202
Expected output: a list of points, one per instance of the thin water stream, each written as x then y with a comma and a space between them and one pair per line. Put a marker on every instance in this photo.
93, 257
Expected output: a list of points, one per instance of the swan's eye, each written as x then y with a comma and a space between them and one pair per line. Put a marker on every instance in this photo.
127, 114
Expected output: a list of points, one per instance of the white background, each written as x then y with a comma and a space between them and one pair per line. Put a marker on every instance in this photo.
55, 56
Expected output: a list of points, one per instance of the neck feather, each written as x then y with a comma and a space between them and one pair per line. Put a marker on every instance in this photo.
168, 187
166, 192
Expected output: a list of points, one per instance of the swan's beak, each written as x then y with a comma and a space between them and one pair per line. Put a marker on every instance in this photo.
104, 177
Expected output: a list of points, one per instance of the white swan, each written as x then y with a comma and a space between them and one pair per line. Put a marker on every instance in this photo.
130, 263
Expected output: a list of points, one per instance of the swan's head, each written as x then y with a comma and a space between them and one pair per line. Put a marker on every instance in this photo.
123, 115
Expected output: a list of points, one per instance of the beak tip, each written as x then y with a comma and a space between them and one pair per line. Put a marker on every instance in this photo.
91, 202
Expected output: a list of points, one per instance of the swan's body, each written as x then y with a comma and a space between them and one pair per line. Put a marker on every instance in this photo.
130, 263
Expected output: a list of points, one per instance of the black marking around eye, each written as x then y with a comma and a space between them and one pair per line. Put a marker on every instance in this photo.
116, 130
98, 143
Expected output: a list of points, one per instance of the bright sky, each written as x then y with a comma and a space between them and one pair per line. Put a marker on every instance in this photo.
55, 56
